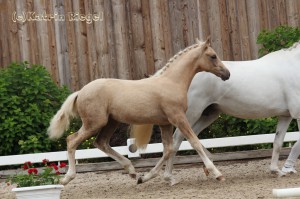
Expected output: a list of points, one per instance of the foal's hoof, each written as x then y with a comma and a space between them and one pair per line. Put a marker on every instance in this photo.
205, 171
132, 175
221, 178
140, 180
274, 172
171, 180
281, 174
277, 173
64, 181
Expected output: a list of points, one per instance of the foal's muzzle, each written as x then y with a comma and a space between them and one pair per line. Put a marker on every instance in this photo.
225, 76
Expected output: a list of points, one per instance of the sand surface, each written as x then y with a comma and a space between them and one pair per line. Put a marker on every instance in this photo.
244, 179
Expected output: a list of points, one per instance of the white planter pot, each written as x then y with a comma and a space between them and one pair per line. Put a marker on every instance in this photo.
39, 192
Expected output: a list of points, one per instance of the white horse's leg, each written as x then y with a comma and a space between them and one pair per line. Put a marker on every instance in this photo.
177, 138
199, 126
166, 136
282, 126
289, 165
102, 142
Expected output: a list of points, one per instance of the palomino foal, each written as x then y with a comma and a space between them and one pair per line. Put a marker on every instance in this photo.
104, 103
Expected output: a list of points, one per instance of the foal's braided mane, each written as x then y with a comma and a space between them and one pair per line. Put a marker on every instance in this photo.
163, 69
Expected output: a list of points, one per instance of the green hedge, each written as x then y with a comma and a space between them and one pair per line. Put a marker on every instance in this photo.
28, 100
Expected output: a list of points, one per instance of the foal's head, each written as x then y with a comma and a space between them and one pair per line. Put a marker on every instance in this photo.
209, 61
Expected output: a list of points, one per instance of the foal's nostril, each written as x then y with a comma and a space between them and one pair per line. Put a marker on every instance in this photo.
226, 76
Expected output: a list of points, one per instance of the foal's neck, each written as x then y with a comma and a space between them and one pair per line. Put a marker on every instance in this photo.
182, 71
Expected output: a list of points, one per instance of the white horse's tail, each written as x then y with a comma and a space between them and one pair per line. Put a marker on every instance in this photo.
61, 121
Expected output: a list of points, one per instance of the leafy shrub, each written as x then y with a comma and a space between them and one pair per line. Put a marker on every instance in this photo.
280, 37
28, 100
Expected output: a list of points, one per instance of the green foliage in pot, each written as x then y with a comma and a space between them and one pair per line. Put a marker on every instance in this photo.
32, 177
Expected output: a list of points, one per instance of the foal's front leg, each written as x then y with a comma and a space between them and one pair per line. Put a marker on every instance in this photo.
167, 140
198, 126
182, 123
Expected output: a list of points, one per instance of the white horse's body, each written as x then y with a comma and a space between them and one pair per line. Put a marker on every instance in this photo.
266, 87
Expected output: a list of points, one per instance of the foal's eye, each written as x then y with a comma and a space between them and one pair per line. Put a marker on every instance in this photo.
213, 56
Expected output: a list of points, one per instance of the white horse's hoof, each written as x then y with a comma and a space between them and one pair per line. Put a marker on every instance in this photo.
288, 170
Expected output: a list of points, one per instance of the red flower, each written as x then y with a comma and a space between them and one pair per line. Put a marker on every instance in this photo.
54, 166
62, 165
27, 165
57, 173
45, 161
32, 171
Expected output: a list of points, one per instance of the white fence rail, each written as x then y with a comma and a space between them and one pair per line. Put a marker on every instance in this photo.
151, 148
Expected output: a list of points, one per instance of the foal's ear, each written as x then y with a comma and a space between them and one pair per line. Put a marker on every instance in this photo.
207, 42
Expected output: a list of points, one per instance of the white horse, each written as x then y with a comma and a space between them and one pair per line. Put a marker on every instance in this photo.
266, 87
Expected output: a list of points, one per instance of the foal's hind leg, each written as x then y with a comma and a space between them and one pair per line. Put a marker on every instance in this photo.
102, 142
166, 136
282, 126
72, 143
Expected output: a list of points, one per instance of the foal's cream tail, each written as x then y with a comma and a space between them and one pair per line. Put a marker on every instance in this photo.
61, 121
142, 134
